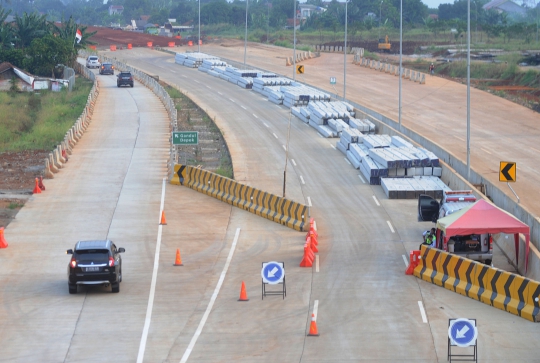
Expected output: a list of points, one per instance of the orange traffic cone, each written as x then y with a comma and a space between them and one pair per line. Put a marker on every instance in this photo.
243, 294
163, 220
36, 188
3, 242
41, 185
313, 331
178, 260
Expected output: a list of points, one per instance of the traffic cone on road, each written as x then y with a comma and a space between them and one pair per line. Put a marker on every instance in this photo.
163, 220
243, 294
3, 242
41, 185
313, 331
36, 188
178, 260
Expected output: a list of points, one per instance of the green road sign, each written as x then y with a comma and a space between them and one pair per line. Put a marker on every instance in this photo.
332, 80
186, 138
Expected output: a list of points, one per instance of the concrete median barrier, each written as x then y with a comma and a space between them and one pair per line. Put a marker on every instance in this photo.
501, 289
280, 210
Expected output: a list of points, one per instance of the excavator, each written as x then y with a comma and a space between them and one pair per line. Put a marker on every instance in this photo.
384, 44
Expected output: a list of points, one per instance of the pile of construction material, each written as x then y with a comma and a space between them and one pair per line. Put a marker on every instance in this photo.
209, 65
331, 118
380, 156
242, 78
298, 94
413, 187
192, 60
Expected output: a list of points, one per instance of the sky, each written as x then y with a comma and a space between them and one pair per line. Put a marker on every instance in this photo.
435, 3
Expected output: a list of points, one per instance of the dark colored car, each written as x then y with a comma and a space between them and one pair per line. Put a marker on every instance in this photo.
106, 68
124, 79
95, 263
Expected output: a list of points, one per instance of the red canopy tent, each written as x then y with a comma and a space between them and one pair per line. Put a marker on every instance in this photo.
483, 217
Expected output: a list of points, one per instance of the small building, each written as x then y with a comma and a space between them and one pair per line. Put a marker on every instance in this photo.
306, 10
506, 6
23, 80
116, 9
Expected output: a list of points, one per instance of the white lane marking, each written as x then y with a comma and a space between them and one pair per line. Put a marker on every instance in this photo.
485, 150
302, 180
315, 308
362, 179
212, 300
196, 81
173, 71
243, 107
422, 312
184, 76
230, 99
316, 263
321, 136
532, 148
294, 162
347, 160
208, 87
390, 225
265, 124
309, 201
459, 138
273, 133
305, 124
255, 116
376, 201
284, 147
405, 260
220, 93
333, 147
148, 318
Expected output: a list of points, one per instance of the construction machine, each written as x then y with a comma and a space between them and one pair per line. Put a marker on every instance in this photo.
384, 44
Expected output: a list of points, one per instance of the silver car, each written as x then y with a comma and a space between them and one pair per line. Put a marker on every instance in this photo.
93, 62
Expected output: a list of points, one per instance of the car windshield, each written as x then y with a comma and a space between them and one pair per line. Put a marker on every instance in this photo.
93, 255
93, 58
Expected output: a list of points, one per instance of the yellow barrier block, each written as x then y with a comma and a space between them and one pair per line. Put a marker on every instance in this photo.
449, 264
531, 308
465, 268
514, 302
442, 264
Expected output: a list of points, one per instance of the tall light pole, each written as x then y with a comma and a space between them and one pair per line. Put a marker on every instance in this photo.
345, 55
380, 15
400, 57
294, 42
199, 42
476, 11
267, 20
245, 36
469, 90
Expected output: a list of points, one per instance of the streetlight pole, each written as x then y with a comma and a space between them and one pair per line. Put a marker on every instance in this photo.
469, 90
245, 36
345, 55
294, 42
400, 57
199, 43
380, 15
267, 20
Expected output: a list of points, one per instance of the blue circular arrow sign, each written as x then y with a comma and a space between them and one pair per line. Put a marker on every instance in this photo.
272, 272
462, 332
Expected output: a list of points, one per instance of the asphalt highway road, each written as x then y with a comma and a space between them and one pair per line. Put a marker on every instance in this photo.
366, 308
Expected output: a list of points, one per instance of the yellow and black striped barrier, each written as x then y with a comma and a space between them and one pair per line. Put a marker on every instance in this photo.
504, 290
280, 210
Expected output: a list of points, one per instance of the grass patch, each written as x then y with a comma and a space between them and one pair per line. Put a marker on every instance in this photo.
13, 205
225, 167
40, 121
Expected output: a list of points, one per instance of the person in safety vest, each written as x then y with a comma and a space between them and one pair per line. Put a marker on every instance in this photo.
430, 238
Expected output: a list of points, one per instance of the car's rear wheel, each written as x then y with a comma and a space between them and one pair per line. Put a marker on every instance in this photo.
132, 85
488, 262
115, 287
72, 288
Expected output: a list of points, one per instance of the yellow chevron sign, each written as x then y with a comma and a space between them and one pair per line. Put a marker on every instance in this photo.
300, 69
507, 171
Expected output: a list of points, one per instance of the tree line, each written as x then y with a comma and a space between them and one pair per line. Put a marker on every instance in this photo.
33, 43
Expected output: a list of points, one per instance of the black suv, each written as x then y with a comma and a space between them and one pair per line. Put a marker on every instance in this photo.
106, 68
95, 263
124, 79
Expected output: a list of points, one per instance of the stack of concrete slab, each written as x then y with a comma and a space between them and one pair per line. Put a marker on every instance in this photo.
298, 94
413, 187
192, 60
210, 64
269, 86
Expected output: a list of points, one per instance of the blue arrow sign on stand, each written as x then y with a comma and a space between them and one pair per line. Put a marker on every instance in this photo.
462, 332
272, 272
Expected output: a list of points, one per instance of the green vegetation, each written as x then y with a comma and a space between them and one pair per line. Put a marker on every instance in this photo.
13, 205
39, 121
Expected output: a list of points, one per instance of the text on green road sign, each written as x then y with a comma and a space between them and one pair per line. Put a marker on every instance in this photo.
186, 138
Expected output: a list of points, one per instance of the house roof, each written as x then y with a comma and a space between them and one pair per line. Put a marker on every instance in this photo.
116, 7
506, 6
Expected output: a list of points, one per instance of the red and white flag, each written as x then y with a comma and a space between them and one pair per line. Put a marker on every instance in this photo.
78, 35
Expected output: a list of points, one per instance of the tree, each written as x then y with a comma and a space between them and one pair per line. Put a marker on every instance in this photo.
46, 52
6, 31
67, 31
28, 27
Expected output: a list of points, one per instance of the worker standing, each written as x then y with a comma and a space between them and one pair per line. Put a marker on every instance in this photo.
431, 69
430, 239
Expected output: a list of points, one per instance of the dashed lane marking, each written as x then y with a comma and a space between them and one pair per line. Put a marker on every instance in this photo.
422, 312
362, 179
302, 180
390, 225
376, 201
